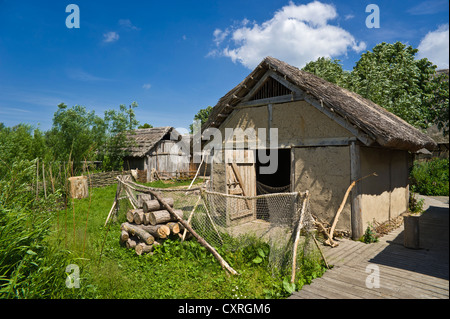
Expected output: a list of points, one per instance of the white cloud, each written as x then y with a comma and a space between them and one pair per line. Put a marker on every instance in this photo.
81, 75
220, 35
110, 37
349, 16
296, 34
434, 47
127, 24
147, 86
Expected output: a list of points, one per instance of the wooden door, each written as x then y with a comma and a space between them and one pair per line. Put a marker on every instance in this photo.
241, 181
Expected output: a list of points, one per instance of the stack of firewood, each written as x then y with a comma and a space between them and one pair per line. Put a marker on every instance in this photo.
149, 225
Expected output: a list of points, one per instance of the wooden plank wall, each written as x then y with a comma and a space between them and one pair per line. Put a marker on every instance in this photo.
167, 160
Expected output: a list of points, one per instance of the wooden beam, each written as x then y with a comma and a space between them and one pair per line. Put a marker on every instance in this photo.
256, 87
270, 100
355, 174
286, 83
292, 169
333, 141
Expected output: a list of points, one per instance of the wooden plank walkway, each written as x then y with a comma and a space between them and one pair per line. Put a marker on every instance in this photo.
403, 273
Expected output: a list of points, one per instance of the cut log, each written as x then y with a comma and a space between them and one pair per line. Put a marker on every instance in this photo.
131, 213
146, 219
202, 241
130, 216
131, 243
79, 187
141, 198
142, 248
163, 216
174, 227
152, 205
157, 231
139, 217
139, 232
124, 227
124, 236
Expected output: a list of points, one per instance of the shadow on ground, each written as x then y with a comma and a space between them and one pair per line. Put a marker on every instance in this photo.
433, 256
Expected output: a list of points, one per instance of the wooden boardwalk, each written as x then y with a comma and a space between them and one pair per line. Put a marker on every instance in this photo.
403, 273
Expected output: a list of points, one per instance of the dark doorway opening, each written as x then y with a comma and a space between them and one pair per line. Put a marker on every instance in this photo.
277, 182
281, 178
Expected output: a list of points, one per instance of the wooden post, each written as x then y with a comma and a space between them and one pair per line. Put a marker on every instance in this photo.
43, 179
37, 178
411, 237
292, 169
355, 174
115, 204
51, 179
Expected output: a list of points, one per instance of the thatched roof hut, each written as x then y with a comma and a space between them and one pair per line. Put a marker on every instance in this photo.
141, 141
373, 121
327, 138
158, 148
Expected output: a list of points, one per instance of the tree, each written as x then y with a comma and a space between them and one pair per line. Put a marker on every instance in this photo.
118, 122
439, 113
146, 125
330, 70
75, 134
392, 77
201, 116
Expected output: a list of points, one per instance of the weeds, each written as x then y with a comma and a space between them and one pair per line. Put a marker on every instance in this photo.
29, 266
370, 235
415, 205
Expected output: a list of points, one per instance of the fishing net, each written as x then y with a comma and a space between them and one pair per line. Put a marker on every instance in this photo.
233, 221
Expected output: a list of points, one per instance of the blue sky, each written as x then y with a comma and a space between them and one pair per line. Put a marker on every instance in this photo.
174, 58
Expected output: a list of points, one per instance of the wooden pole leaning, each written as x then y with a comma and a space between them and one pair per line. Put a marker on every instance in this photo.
202, 241
297, 235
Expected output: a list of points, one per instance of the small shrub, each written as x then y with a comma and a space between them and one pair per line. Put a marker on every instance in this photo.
370, 235
415, 205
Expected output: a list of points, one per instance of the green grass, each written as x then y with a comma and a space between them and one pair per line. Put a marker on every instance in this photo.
44, 241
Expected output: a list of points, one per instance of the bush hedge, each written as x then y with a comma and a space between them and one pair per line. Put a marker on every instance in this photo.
430, 177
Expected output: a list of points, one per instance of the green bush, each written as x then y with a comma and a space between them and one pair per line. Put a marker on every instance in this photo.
430, 178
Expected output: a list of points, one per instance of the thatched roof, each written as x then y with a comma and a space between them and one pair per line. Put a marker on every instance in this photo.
141, 141
381, 126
